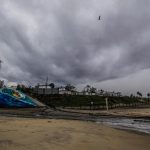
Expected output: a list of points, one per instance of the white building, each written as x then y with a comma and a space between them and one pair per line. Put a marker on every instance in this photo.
62, 91
45, 91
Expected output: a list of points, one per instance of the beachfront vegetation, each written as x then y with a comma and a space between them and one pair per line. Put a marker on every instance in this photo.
84, 101
90, 98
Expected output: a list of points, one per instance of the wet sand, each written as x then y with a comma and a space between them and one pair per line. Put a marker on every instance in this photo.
76, 113
46, 134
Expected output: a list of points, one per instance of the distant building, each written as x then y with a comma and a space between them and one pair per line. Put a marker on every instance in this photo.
80, 93
86, 93
45, 91
62, 91
114, 94
48, 90
107, 93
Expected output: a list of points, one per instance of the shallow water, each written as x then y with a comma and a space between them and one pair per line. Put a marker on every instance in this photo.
140, 125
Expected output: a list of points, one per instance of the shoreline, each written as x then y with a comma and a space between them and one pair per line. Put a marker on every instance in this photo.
47, 112
121, 112
42, 113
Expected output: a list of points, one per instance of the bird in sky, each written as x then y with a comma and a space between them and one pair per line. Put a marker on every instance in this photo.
1, 63
99, 18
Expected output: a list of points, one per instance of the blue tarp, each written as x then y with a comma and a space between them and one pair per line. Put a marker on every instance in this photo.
14, 98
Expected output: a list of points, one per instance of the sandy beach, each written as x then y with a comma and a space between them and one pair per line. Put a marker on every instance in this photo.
46, 134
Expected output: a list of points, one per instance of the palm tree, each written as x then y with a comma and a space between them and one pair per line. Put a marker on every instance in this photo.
92, 90
101, 92
52, 85
139, 94
131, 96
87, 89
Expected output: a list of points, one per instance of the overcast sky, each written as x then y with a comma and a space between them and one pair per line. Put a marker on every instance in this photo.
64, 40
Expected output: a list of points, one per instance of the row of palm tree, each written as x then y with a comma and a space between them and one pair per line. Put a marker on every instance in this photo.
140, 94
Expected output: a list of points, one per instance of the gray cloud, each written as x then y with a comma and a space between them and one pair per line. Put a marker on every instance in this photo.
64, 40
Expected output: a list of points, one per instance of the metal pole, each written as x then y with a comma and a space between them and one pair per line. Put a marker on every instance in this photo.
46, 84
106, 100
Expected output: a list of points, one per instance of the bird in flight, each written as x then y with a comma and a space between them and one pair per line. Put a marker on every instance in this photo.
1, 63
99, 18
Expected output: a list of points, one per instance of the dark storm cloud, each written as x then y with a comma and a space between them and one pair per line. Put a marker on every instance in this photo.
64, 40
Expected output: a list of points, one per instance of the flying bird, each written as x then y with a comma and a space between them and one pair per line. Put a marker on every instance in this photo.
99, 18
1, 63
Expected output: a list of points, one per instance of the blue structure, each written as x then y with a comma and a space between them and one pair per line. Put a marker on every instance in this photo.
13, 98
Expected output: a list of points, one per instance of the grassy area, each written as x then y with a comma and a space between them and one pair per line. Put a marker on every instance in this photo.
82, 100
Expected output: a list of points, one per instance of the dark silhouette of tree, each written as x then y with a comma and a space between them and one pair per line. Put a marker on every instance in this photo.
1, 83
70, 87
87, 88
93, 90
18, 87
139, 94
102, 91
131, 96
148, 95
52, 85
119, 94
21, 88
